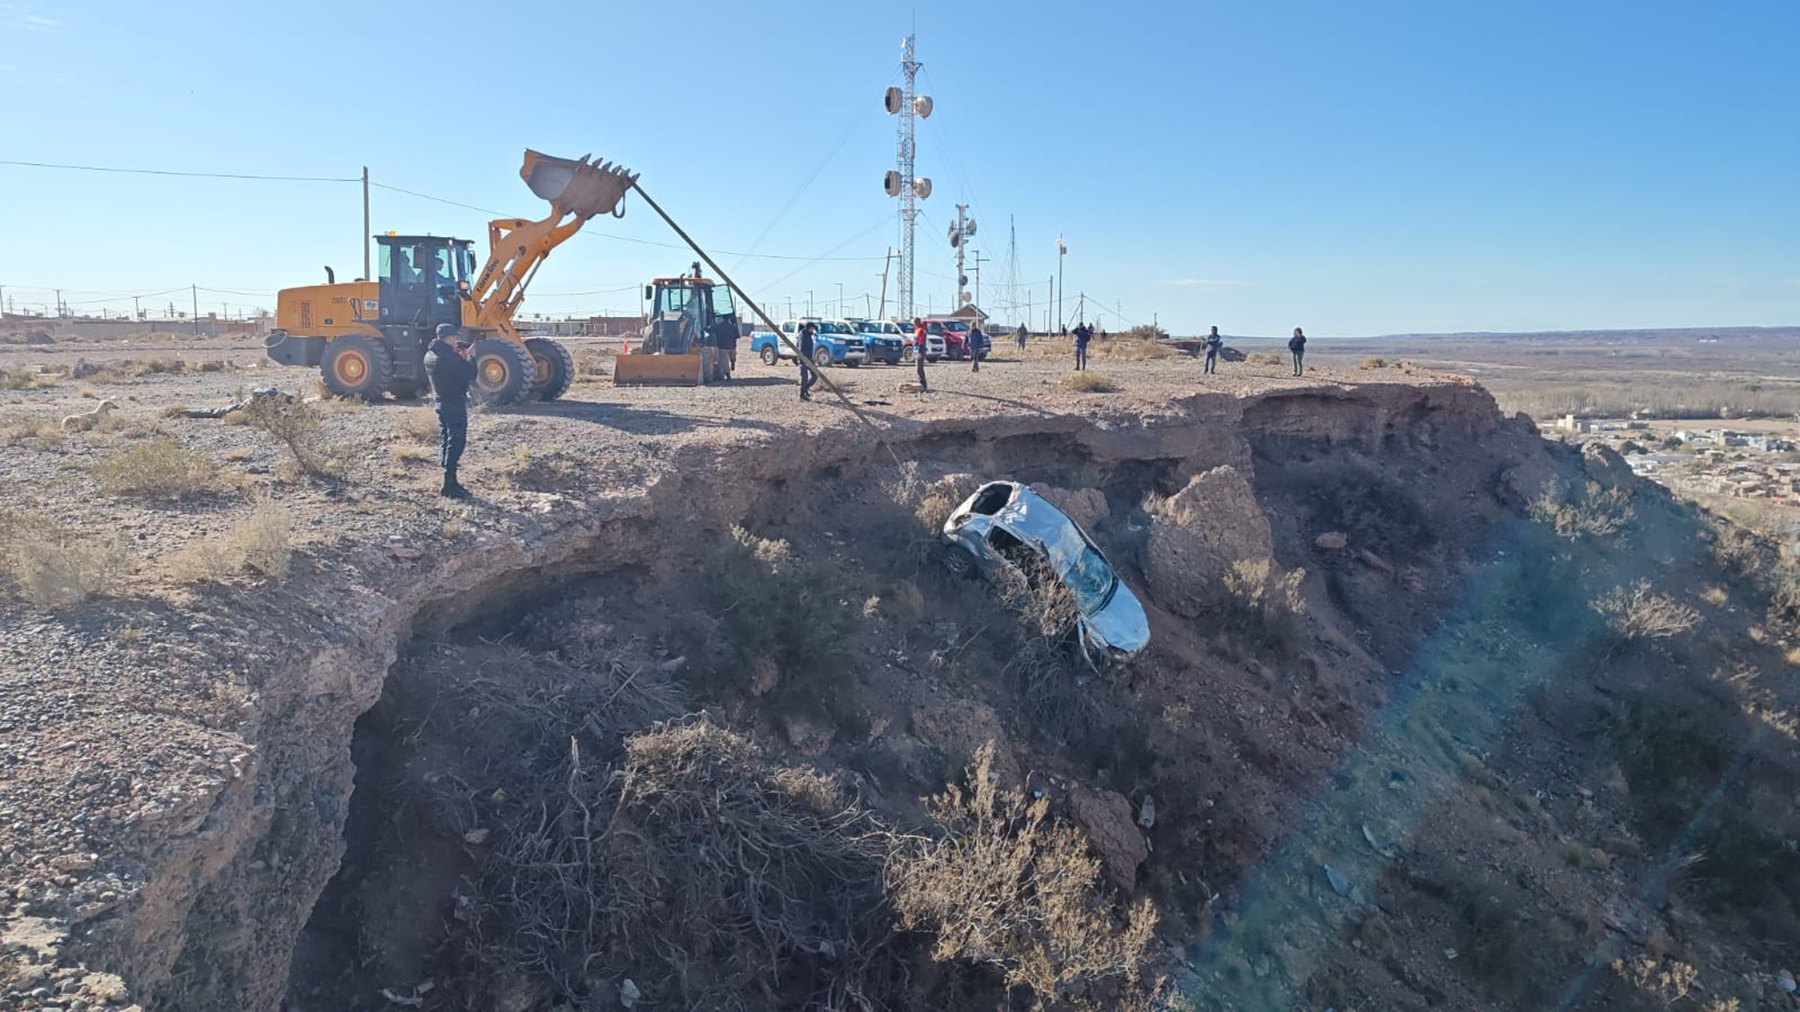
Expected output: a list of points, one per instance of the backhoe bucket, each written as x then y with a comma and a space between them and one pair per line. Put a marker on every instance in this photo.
574, 186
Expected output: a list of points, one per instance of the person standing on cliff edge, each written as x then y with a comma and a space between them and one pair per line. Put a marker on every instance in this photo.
1297, 345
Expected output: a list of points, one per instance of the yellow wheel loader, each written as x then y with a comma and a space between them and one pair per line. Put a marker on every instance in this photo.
368, 337
679, 345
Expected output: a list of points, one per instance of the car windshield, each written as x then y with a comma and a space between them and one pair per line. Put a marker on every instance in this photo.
865, 327
1091, 579
956, 327
833, 328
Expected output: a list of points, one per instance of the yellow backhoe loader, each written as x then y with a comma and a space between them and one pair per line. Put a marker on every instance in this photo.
368, 337
679, 345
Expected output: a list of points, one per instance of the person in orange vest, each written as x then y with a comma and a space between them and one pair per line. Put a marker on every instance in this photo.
919, 353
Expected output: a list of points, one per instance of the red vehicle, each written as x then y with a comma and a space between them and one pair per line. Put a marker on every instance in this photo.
955, 332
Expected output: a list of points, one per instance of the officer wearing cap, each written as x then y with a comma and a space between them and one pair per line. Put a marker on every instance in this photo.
451, 373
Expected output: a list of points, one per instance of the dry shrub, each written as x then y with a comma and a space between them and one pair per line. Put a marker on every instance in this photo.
160, 469
261, 543
1715, 595
154, 367
591, 364
31, 430
783, 612
1264, 358
1640, 613
406, 454
706, 873
55, 567
1090, 383
29, 378
1374, 362
908, 602
1132, 348
1033, 590
1009, 887
1595, 511
1667, 982
300, 428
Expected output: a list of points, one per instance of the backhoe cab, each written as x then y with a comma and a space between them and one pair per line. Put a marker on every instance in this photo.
679, 345
368, 338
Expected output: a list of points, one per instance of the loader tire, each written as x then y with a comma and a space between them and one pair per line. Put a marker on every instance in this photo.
357, 365
503, 371
406, 390
553, 368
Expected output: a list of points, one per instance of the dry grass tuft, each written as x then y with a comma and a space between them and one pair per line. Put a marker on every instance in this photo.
161, 469
1090, 383
1264, 358
421, 426
1715, 595
39, 432
551, 469
260, 543
1374, 362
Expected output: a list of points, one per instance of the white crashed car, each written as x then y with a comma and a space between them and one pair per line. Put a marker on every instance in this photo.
1006, 518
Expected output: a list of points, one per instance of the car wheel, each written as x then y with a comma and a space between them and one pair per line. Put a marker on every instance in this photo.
959, 562
769, 355
822, 357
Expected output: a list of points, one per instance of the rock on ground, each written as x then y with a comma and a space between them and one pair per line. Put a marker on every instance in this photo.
1107, 819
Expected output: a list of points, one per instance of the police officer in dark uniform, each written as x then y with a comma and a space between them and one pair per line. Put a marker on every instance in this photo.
451, 373
805, 344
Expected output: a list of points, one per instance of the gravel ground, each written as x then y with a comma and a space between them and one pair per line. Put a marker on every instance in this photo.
121, 718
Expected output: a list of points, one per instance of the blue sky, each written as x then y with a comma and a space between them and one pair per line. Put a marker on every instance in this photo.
1354, 169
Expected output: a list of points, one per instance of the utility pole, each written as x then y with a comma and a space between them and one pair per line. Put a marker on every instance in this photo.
868, 306
1062, 250
136, 314
195, 291
885, 261
840, 311
366, 233
809, 311
979, 260
59, 311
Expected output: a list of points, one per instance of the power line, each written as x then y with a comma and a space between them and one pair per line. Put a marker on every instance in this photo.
171, 172
611, 235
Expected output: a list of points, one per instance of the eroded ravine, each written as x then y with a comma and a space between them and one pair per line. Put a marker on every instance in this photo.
221, 919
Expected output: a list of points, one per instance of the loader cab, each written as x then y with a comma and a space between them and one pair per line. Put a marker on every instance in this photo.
423, 280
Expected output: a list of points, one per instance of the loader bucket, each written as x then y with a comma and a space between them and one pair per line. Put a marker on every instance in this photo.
656, 370
576, 186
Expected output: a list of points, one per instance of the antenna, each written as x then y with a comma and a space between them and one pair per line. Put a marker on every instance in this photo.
901, 183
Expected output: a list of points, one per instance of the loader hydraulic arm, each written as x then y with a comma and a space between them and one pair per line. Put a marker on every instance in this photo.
577, 190
517, 248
